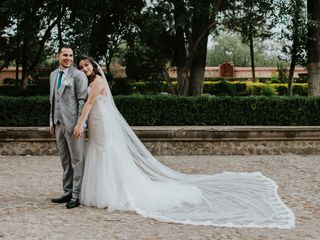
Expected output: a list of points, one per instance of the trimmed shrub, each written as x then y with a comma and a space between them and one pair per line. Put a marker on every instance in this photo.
24, 111
300, 89
31, 90
267, 90
9, 81
224, 88
173, 110
149, 87
123, 86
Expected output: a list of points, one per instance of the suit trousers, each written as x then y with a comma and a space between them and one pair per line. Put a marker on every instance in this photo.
71, 151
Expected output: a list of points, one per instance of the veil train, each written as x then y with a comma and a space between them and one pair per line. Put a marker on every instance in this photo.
138, 181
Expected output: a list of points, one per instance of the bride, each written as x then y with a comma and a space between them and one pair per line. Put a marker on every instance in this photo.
121, 174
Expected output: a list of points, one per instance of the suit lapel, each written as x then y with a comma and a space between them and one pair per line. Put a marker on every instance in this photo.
69, 74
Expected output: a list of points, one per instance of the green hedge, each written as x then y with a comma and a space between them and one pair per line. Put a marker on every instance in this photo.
24, 111
172, 110
31, 90
220, 88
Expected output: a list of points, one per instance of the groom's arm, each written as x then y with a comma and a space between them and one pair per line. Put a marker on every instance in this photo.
81, 88
51, 127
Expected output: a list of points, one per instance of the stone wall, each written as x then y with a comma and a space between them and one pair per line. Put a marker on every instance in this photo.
184, 140
210, 72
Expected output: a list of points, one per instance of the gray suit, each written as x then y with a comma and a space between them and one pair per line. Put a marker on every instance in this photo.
66, 105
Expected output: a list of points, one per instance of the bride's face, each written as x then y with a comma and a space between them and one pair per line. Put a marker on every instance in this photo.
86, 67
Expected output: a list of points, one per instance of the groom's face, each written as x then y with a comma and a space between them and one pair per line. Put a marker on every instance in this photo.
65, 58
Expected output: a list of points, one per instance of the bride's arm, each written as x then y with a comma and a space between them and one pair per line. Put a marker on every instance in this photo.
95, 91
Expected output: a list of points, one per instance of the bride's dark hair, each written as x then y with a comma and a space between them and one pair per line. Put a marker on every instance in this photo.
93, 63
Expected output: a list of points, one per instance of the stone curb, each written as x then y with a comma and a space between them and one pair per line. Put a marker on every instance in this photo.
183, 140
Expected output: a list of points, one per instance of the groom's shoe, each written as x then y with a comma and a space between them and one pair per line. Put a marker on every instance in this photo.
74, 202
62, 199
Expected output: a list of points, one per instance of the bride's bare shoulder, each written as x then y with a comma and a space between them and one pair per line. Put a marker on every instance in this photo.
99, 78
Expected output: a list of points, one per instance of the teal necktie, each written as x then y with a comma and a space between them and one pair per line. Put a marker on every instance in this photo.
59, 79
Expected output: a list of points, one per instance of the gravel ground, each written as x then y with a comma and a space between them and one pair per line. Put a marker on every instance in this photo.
27, 183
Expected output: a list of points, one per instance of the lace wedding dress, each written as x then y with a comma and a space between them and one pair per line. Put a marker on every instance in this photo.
121, 174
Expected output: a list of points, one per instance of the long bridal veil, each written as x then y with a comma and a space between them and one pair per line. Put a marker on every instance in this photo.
145, 185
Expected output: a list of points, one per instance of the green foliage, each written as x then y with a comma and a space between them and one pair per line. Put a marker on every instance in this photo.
222, 88
9, 81
229, 47
173, 110
218, 88
250, 18
24, 31
151, 48
303, 78
140, 64
293, 15
300, 89
24, 111
150, 87
281, 89
97, 28
267, 90
31, 90
274, 79
282, 73
121, 86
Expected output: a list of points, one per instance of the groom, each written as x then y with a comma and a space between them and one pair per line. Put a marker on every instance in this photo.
68, 93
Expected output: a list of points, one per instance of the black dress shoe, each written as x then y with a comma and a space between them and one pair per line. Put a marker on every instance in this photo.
74, 202
62, 199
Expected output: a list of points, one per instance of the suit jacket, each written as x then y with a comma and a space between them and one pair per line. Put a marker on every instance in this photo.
73, 95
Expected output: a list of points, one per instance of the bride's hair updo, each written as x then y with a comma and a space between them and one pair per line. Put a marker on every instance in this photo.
93, 63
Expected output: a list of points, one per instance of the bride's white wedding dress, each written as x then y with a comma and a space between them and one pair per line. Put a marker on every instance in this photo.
121, 174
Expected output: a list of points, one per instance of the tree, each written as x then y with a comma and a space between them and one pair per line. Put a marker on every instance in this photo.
97, 28
30, 28
294, 17
5, 35
313, 47
200, 31
150, 47
189, 24
251, 19
229, 47
203, 21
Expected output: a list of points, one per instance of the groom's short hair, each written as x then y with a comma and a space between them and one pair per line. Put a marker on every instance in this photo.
65, 46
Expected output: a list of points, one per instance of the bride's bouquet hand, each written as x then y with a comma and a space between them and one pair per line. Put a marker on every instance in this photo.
78, 131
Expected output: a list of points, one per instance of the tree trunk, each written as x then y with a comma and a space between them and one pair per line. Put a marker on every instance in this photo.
313, 47
252, 59
166, 76
17, 73
180, 61
291, 72
200, 22
183, 84
180, 53
24, 78
162, 68
108, 62
294, 50
17, 60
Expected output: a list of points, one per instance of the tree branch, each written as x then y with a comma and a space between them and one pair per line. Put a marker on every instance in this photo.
43, 41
